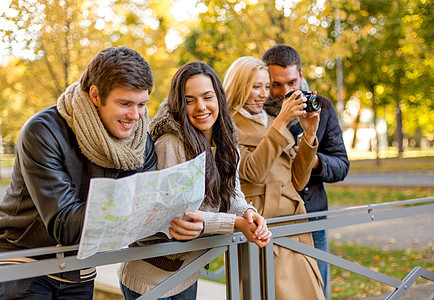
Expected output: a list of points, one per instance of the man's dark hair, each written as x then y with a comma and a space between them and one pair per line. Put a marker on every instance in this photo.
220, 171
117, 67
282, 55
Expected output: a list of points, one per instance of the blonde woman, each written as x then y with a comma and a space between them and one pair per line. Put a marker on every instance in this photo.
270, 171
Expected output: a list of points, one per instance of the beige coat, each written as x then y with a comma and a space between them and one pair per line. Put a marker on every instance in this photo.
270, 175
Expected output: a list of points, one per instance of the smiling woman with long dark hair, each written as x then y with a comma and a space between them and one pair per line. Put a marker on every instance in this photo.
221, 169
192, 120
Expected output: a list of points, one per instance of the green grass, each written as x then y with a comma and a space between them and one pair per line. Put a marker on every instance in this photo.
339, 195
215, 265
394, 263
390, 152
420, 165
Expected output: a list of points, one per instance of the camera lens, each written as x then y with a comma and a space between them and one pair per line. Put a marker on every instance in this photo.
313, 103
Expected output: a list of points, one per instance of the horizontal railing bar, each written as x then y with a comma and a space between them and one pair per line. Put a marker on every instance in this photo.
348, 210
46, 250
69, 263
402, 212
402, 202
37, 251
292, 229
196, 244
373, 216
64, 249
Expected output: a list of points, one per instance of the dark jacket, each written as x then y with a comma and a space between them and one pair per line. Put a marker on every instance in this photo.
334, 164
45, 202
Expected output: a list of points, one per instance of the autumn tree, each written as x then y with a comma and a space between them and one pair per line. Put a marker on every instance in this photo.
415, 57
230, 29
58, 38
388, 65
385, 52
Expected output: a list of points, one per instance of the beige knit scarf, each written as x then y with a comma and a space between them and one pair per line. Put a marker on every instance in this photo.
95, 142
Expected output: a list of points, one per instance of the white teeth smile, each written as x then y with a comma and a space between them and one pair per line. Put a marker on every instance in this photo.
126, 124
202, 117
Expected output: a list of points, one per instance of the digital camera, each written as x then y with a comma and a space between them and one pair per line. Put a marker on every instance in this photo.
312, 101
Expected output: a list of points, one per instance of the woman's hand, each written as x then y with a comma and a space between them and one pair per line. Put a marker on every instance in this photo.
187, 229
261, 231
249, 231
291, 109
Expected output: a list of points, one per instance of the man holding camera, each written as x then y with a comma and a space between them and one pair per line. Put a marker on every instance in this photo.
331, 162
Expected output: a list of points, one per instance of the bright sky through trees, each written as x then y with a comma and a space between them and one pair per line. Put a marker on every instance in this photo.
181, 10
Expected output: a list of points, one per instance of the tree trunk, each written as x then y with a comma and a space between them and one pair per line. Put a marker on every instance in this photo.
398, 133
356, 127
418, 135
377, 144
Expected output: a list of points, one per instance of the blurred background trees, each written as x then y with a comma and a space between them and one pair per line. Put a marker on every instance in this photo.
384, 47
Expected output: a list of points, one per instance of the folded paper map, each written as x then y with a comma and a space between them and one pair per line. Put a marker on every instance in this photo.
121, 211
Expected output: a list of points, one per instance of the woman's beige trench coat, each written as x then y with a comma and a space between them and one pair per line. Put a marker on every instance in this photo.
270, 174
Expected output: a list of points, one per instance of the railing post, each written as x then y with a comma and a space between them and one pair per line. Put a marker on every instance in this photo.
267, 256
232, 274
249, 257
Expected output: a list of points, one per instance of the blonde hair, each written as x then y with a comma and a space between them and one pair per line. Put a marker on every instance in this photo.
239, 79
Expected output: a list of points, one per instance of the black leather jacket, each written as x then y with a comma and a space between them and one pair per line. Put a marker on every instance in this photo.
45, 202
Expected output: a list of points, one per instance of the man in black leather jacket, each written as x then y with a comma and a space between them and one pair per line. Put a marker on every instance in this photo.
97, 129
331, 163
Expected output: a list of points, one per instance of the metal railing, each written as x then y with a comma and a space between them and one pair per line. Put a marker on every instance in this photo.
255, 282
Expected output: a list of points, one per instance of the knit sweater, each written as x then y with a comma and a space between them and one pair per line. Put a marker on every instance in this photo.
141, 276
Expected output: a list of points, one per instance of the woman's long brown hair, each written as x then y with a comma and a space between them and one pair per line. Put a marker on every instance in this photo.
221, 171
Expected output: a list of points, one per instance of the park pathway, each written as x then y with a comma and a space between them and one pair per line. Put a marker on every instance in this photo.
422, 180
